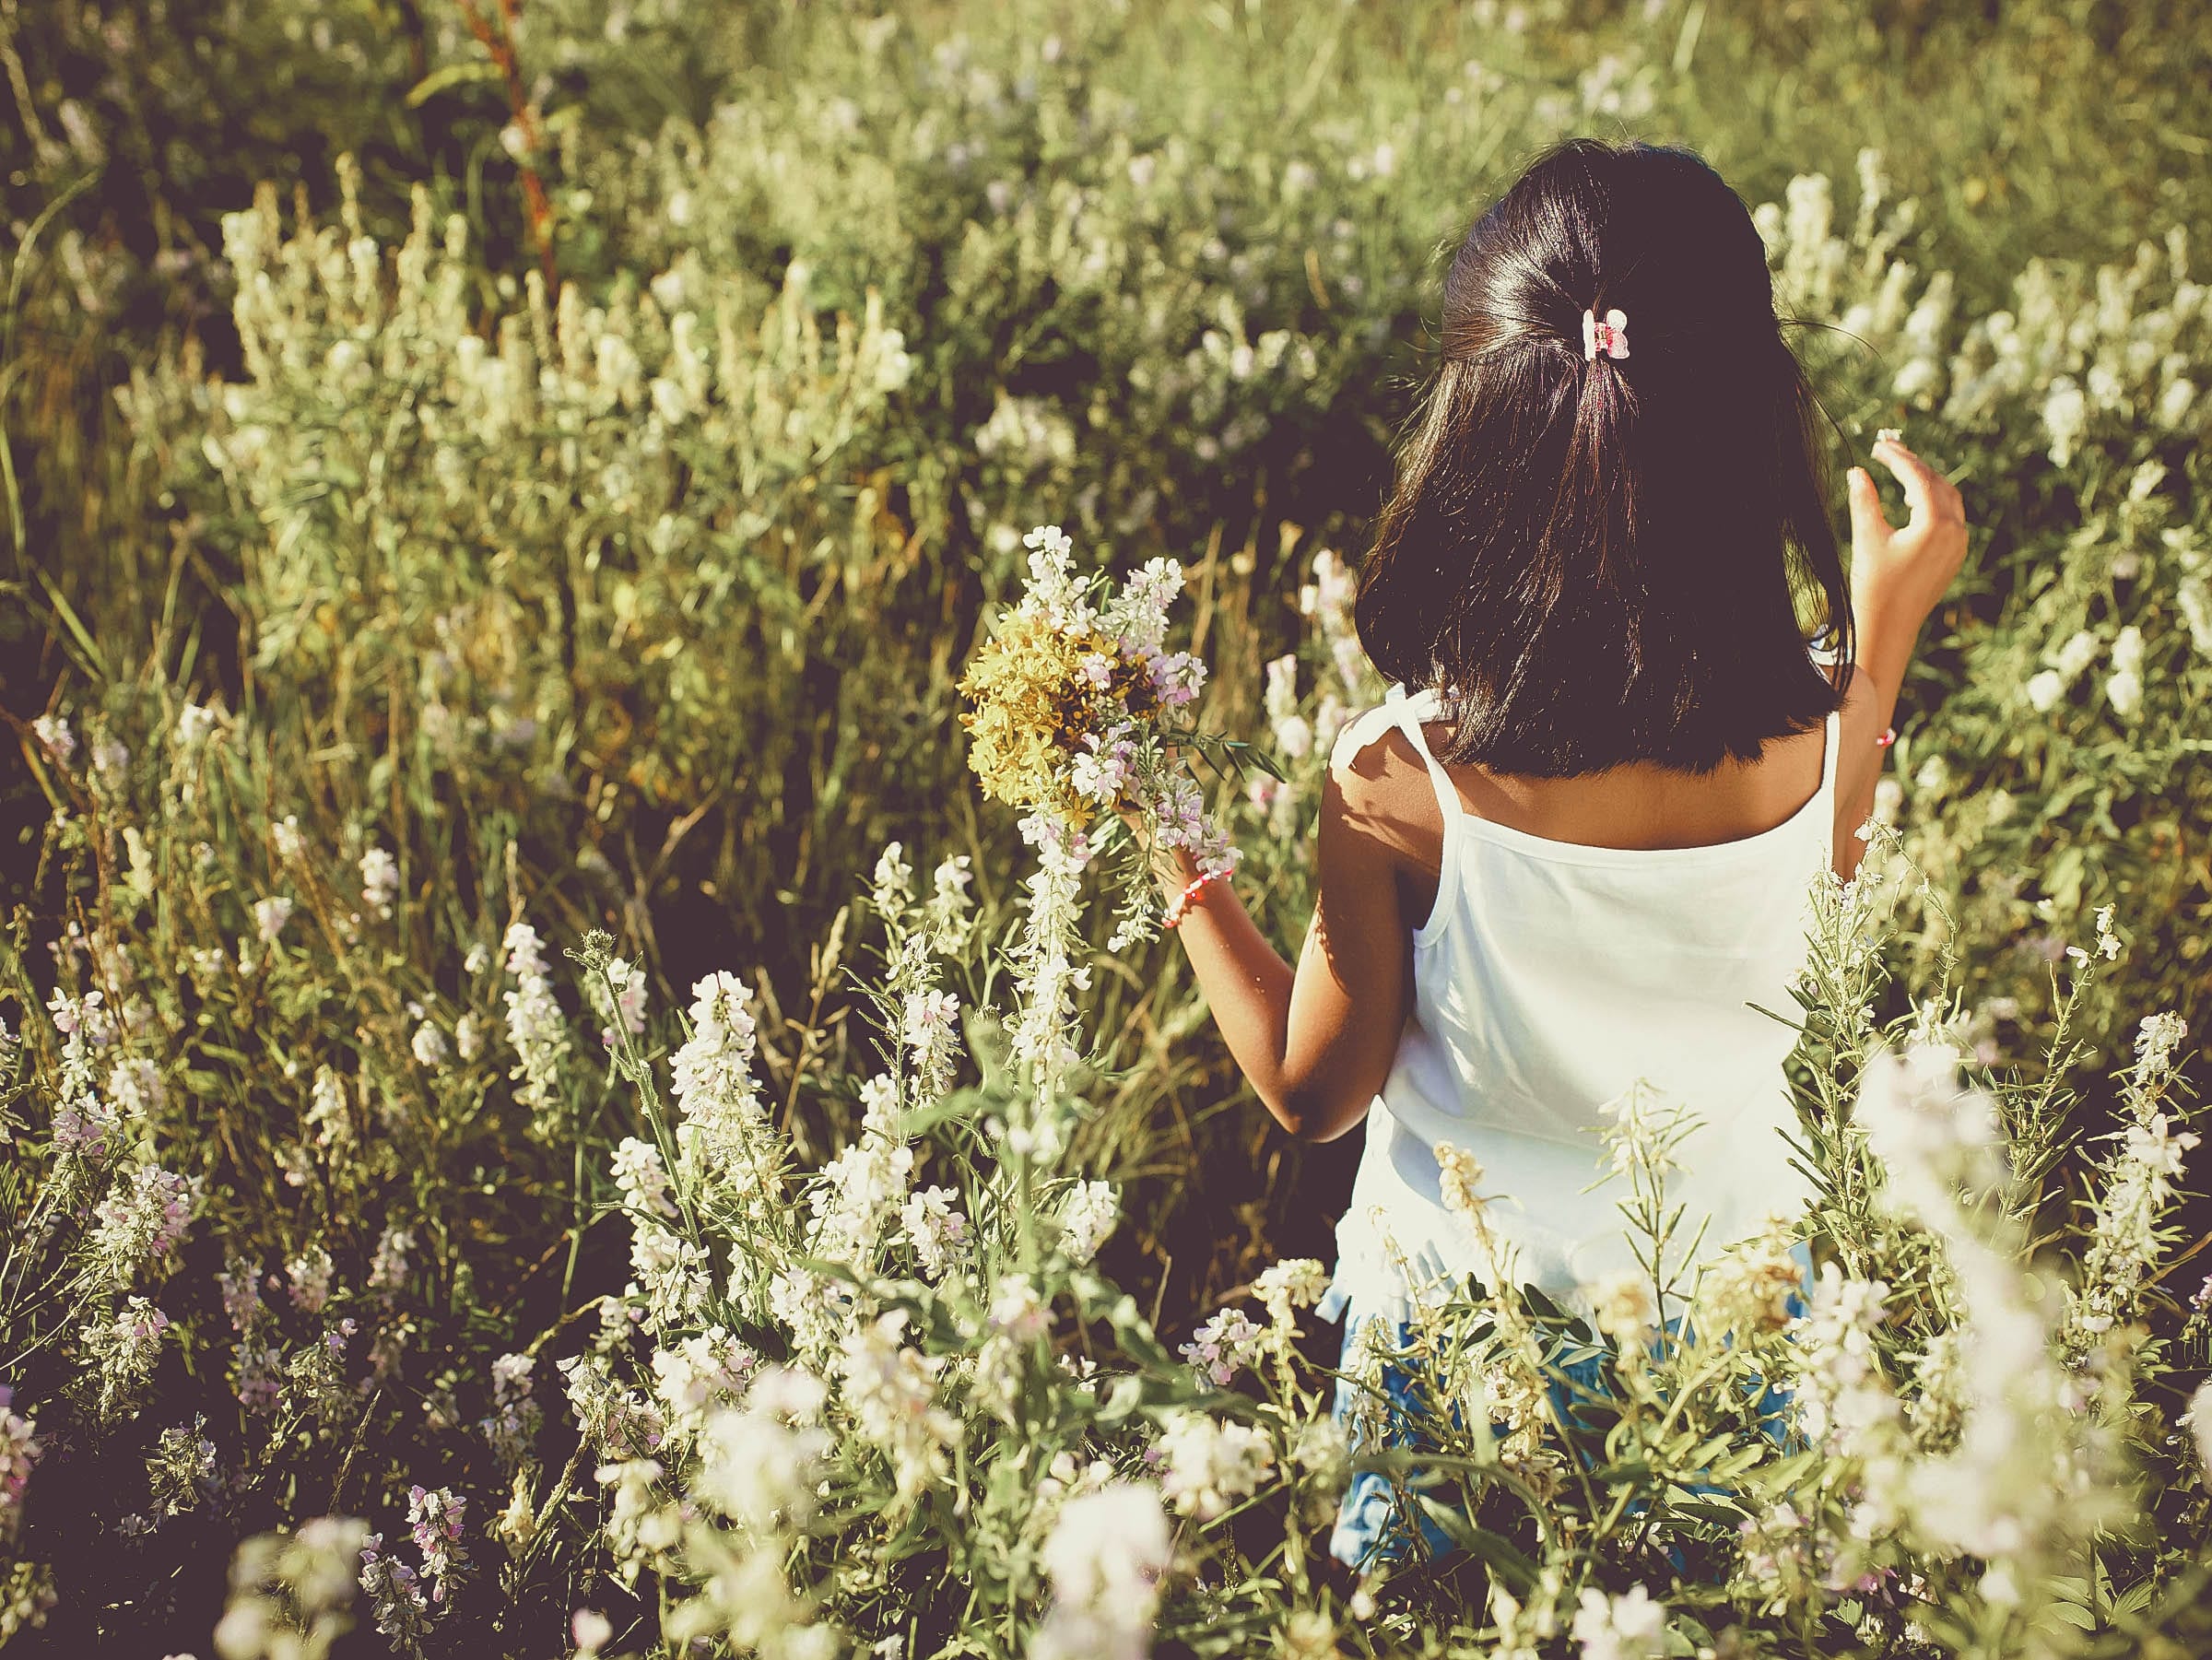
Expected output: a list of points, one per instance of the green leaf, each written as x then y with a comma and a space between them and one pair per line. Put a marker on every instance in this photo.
95, 663
451, 74
1718, 1515
1509, 1564
1544, 1307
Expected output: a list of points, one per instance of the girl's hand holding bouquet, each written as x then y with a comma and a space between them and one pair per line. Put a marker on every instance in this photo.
1076, 702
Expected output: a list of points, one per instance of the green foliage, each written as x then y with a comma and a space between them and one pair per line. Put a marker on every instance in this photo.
609, 561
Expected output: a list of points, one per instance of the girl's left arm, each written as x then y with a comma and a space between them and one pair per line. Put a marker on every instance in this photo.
1316, 1042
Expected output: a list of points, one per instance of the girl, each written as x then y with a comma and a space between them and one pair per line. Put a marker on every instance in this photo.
1569, 858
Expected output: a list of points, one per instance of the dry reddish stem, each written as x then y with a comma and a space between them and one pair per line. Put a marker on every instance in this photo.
501, 45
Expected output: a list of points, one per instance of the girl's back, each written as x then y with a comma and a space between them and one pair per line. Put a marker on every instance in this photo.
1551, 977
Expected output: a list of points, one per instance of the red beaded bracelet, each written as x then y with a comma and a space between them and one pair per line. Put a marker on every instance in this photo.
1180, 906
1888, 736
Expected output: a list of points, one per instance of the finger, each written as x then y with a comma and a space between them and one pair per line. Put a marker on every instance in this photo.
1939, 499
1867, 525
1915, 476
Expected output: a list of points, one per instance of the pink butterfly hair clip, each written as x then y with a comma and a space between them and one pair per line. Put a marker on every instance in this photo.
1612, 334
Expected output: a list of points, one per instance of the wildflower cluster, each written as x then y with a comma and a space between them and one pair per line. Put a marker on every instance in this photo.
1075, 710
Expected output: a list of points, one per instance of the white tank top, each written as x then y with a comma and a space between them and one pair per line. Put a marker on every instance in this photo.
1550, 979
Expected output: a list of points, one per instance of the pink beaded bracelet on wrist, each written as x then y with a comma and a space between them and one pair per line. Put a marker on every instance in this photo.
1888, 736
1180, 906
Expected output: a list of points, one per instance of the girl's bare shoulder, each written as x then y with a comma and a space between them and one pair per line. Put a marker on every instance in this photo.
1387, 794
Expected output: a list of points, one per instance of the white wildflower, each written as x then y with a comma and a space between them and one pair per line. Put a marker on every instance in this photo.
136, 1087
2065, 418
1775, 1557
670, 1275
388, 1267
1104, 1556
141, 1222
856, 1196
930, 1028
1632, 1627
936, 1228
52, 731
18, 1453
642, 1178
1323, 1448
2195, 600
434, 1517
269, 917
2125, 1232
1208, 1464
890, 1389
948, 909
326, 1116
757, 1469
111, 758
1642, 1129
1842, 1395
2079, 651
714, 1087
2124, 690
1087, 1216
1018, 1311
194, 722
2156, 1039
2175, 402
534, 1026
695, 1374
1106, 768
814, 1308
1296, 1282
308, 1280
515, 1417
620, 997
2199, 1420
1623, 1307
121, 1349
614, 1420
1043, 958
1220, 1349
1459, 1175
380, 880
1293, 734
641, 1529
1932, 1134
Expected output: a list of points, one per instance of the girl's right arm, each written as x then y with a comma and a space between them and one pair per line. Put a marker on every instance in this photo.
1316, 1041
1897, 578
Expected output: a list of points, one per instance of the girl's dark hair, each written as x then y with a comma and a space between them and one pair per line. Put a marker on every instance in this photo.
1597, 563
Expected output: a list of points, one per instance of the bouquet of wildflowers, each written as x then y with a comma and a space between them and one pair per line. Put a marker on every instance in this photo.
1075, 699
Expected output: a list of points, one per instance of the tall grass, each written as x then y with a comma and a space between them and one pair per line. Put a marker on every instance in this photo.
635, 600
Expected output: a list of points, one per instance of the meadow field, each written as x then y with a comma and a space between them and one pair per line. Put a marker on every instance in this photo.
546, 1114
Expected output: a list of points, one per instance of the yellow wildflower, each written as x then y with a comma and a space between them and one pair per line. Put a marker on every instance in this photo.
1033, 706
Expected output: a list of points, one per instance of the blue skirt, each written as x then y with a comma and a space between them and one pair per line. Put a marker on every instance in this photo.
1370, 1532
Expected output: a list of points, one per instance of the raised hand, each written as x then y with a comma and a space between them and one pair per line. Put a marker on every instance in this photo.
1898, 575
